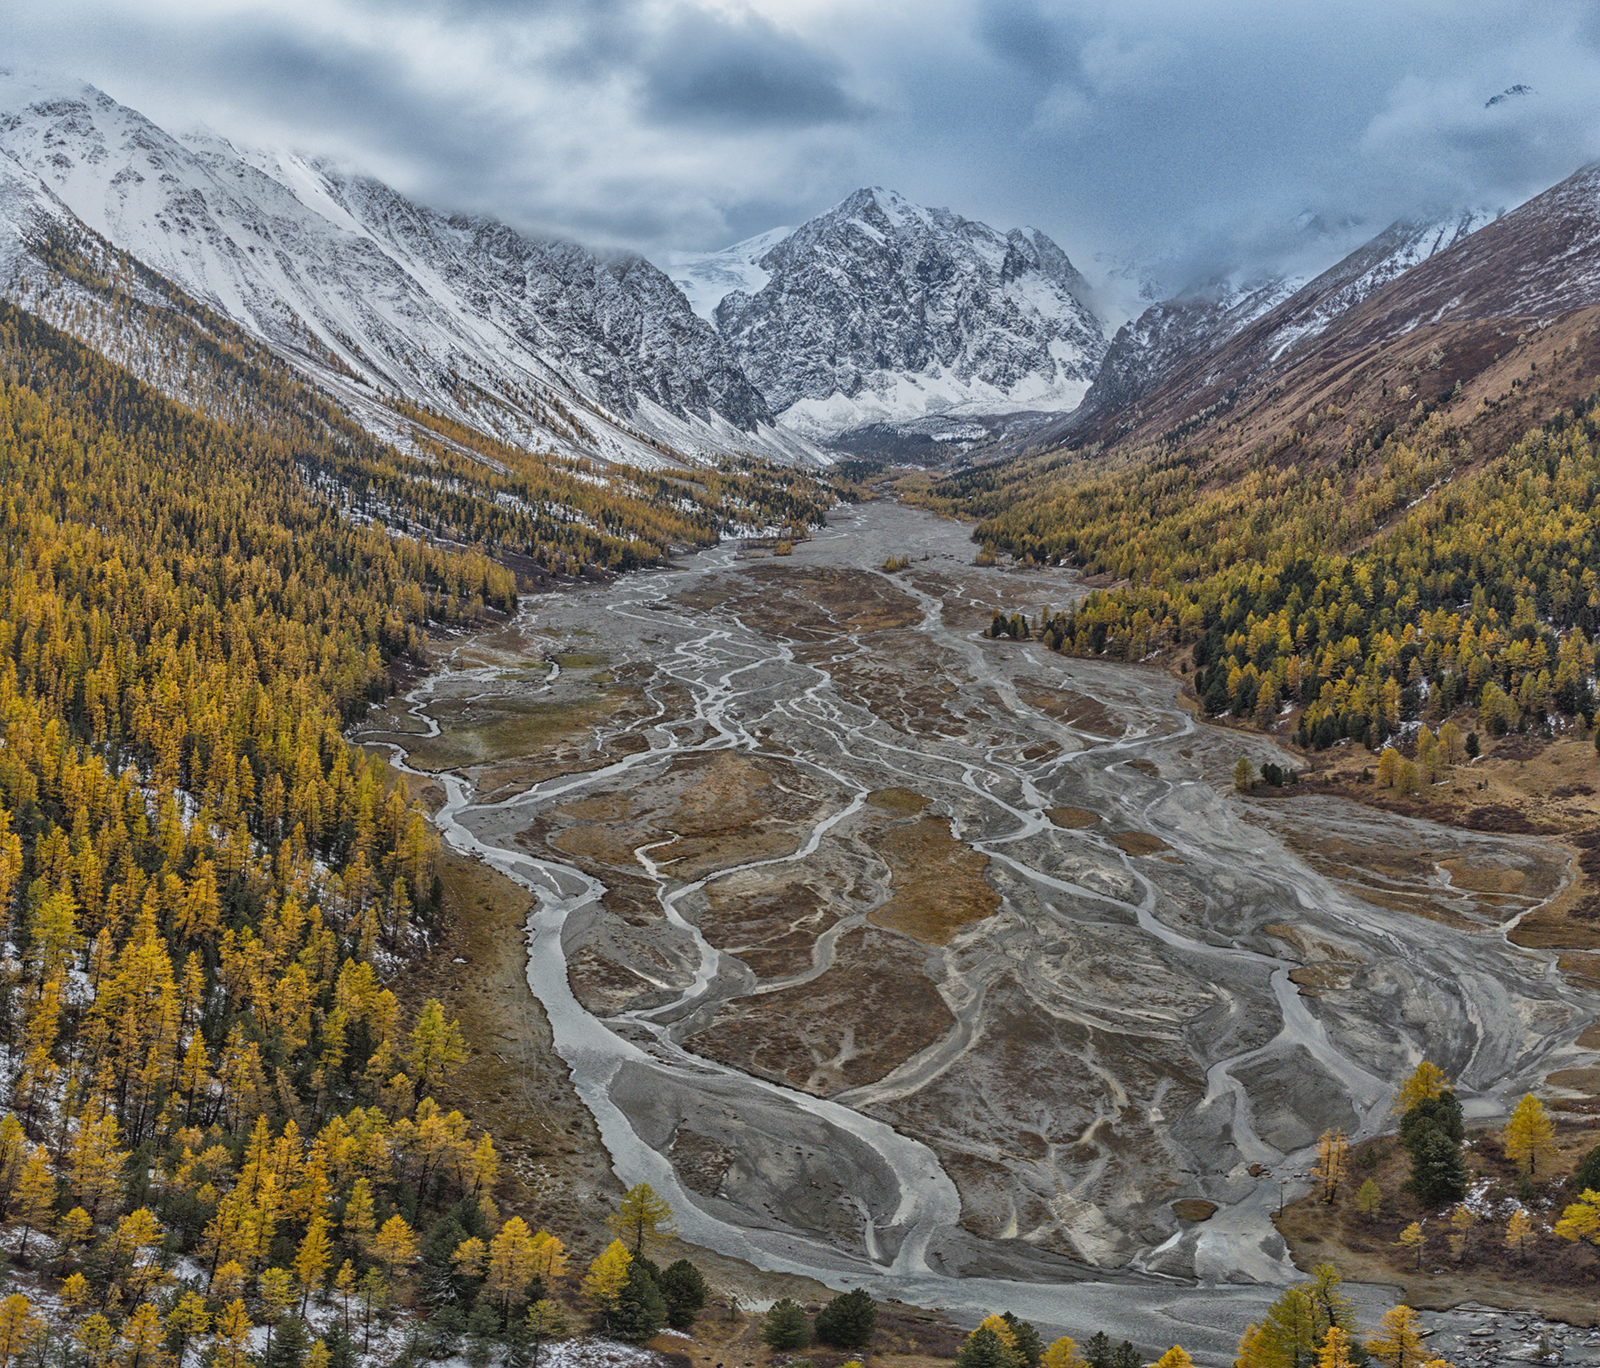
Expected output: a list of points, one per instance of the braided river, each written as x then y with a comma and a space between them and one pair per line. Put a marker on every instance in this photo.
907, 959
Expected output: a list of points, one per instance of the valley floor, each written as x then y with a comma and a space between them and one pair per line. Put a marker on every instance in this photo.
899, 957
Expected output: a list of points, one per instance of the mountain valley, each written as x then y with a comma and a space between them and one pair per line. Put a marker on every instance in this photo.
961, 805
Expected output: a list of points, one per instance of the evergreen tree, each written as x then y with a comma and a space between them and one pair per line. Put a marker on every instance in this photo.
684, 1289
1586, 1176
640, 1311
448, 1324
1441, 1112
525, 1336
289, 1344
1438, 1172
483, 1328
341, 1349
1030, 1347
847, 1322
984, 1348
1097, 1350
785, 1326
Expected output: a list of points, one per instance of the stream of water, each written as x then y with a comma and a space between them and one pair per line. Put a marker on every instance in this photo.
722, 684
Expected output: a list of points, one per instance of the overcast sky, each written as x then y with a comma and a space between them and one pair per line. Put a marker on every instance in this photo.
1186, 132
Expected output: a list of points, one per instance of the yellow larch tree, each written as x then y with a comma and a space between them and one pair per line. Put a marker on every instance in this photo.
485, 1165
1063, 1353
641, 1216
1414, 1237
1518, 1231
1333, 1161
188, 1320
1335, 1350
395, 1247
94, 1165
1530, 1136
36, 1193
508, 1264
1581, 1220
360, 1225
549, 1259
97, 1340
136, 1240
312, 1260
1427, 1081
143, 1339
1398, 1342
607, 1275
19, 1328
233, 1335
437, 1047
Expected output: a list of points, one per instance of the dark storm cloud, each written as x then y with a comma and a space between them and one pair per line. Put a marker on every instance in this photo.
706, 69
371, 97
1191, 134
1026, 39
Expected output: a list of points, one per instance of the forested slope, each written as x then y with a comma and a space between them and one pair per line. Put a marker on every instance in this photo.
439, 479
217, 1113
1412, 529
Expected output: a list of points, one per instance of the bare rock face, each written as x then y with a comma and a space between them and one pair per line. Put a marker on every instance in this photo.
882, 310
619, 320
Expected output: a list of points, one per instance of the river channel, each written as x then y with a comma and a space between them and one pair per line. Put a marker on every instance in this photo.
907, 959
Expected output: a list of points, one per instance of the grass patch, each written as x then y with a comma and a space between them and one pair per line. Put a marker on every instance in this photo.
506, 729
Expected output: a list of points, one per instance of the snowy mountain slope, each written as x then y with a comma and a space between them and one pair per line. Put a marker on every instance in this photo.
1233, 328
1538, 261
707, 278
1369, 269
1174, 330
882, 311
540, 343
27, 210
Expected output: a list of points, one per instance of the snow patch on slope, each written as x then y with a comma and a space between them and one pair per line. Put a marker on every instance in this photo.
707, 278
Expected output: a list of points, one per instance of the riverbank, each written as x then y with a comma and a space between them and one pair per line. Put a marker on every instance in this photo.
1543, 1275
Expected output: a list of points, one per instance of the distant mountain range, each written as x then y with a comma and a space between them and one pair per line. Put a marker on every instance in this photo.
879, 325
1175, 345
537, 342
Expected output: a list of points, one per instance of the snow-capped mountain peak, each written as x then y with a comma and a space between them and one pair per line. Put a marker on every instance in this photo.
882, 310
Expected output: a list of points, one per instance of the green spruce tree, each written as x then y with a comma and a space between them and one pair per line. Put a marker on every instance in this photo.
847, 1322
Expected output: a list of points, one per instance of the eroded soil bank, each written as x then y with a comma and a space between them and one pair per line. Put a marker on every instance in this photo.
898, 956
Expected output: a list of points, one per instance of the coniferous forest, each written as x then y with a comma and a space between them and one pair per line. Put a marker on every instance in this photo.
1394, 584
221, 1117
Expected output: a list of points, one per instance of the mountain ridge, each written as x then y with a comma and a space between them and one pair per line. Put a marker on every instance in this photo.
880, 310
367, 288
